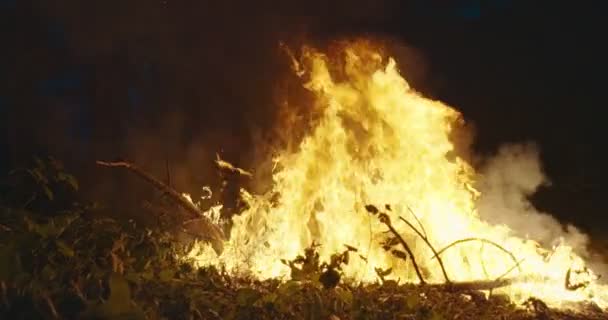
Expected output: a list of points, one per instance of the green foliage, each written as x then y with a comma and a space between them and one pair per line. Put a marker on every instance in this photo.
308, 267
66, 264
118, 305
47, 175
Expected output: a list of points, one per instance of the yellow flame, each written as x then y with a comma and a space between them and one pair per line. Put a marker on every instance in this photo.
380, 142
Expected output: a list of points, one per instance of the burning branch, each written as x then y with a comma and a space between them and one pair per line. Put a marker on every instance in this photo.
416, 218
384, 218
482, 240
574, 286
222, 164
499, 282
426, 240
510, 269
214, 234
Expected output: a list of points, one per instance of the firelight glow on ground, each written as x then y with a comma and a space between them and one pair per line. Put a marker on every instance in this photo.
378, 142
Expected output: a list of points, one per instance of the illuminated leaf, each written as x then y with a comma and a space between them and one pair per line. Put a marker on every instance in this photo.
69, 179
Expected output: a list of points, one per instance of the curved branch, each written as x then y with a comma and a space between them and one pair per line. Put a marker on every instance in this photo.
425, 239
510, 269
418, 221
482, 240
483, 264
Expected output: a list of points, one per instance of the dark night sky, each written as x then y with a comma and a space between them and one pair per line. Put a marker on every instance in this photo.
142, 79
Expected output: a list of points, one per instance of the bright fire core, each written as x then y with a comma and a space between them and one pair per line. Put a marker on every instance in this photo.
379, 142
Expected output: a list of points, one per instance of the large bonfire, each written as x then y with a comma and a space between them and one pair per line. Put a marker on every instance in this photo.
378, 142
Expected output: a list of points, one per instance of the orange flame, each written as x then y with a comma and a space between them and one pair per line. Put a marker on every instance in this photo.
380, 142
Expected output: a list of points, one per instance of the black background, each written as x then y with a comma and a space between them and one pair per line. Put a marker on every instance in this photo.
154, 80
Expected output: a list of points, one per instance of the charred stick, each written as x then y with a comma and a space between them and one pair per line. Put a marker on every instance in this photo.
216, 234
573, 286
386, 220
418, 221
483, 265
426, 240
477, 285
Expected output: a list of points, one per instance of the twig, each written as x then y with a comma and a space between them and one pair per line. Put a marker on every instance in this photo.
418, 221
369, 246
573, 287
215, 233
510, 269
386, 220
230, 167
482, 240
76, 287
27, 203
426, 240
483, 264
483, 267
477, 285
51, 306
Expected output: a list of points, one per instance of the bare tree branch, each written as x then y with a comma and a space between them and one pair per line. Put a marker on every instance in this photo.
482, 240
51, 306
386, 220
213, 233
418, 221
426, 240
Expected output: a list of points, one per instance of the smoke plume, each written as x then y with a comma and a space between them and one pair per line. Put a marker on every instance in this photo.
507, 181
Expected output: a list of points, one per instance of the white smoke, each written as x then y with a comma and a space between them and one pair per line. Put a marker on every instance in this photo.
507, 181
